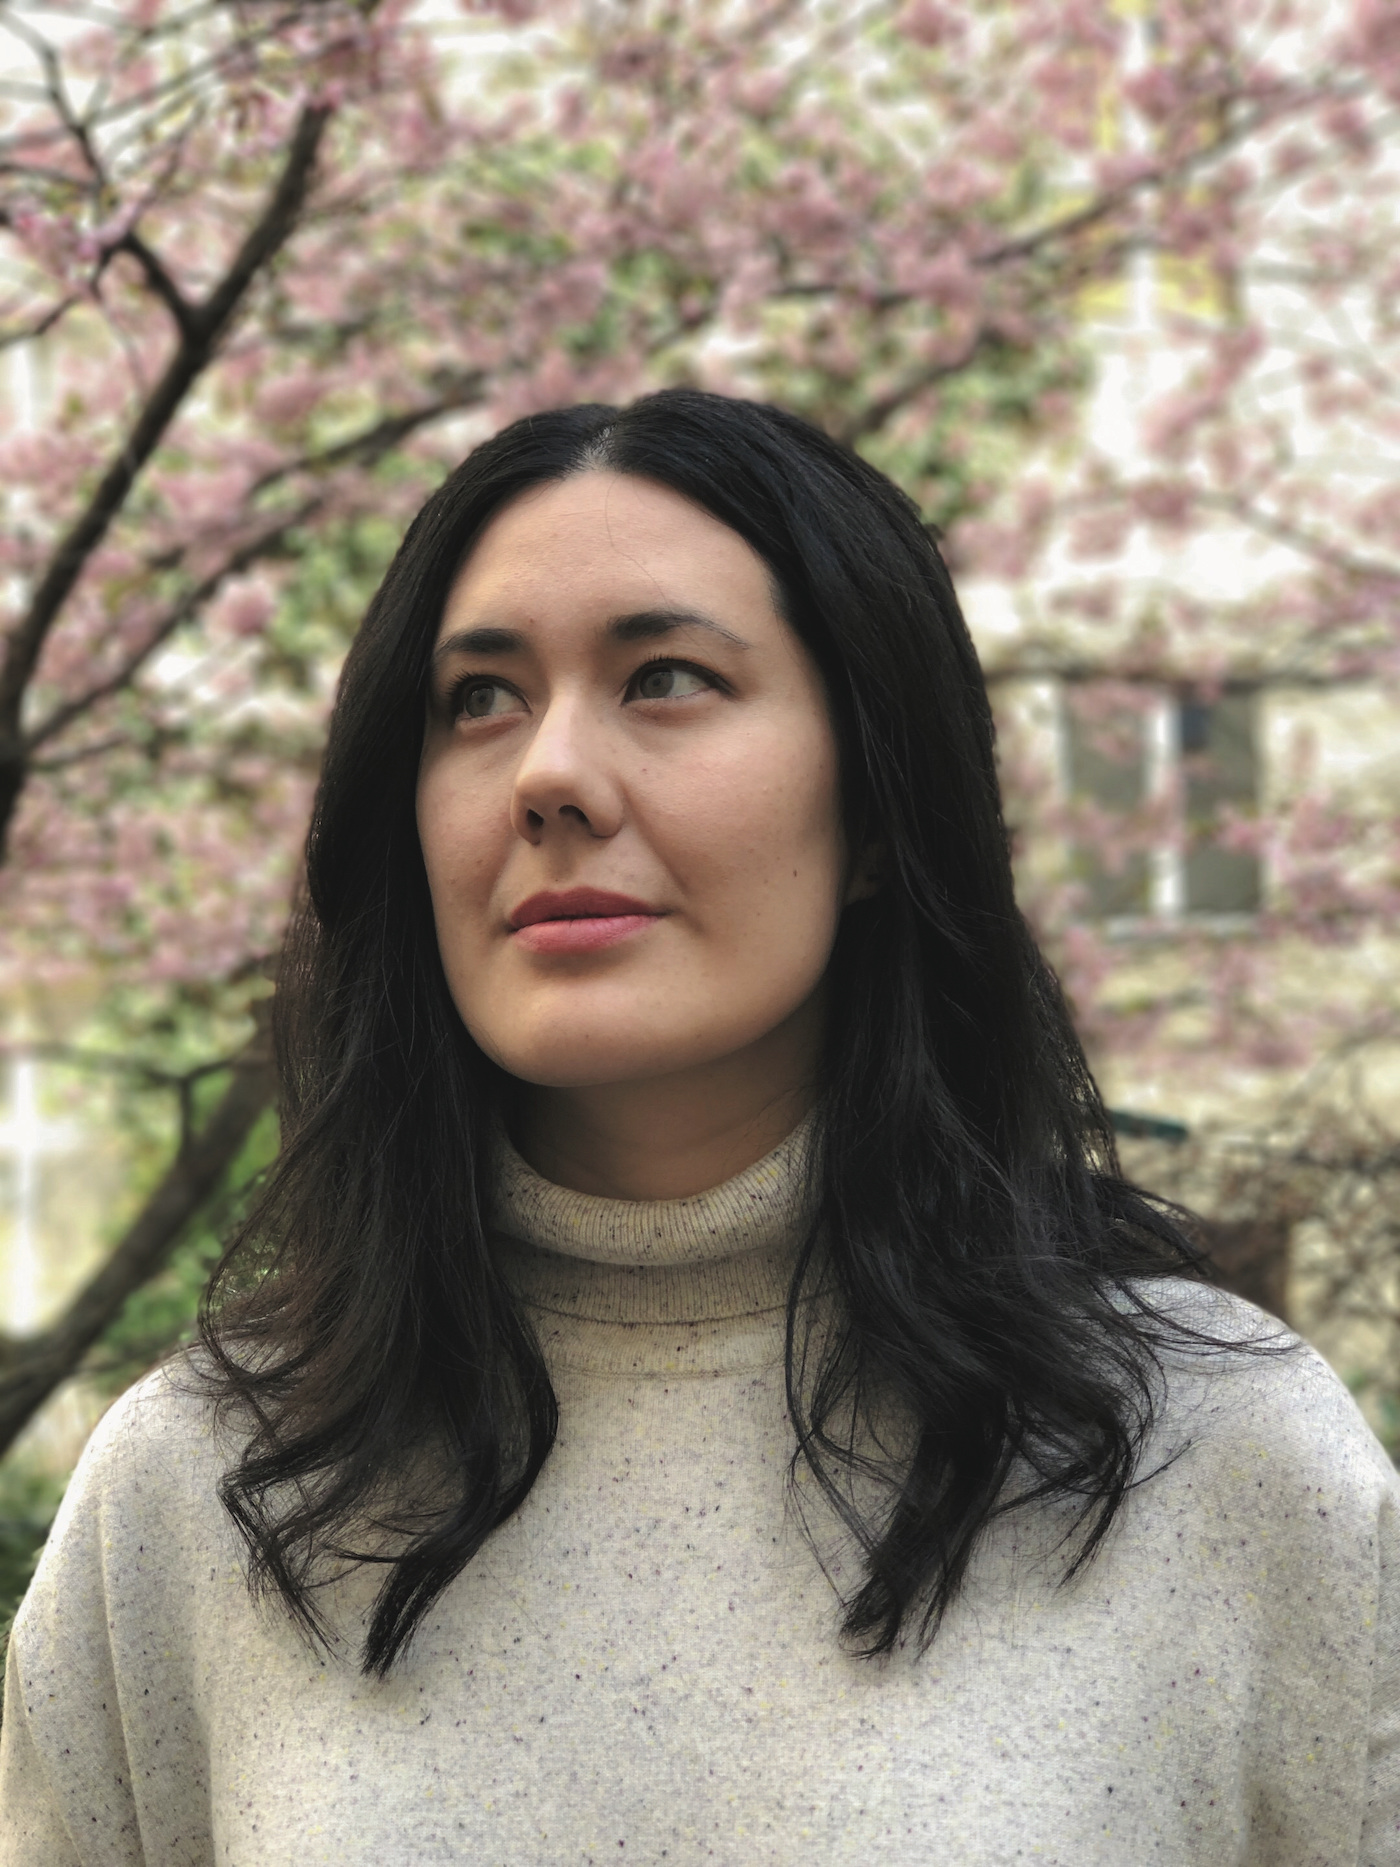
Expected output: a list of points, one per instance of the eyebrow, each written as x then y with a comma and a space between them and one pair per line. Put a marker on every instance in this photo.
640, 625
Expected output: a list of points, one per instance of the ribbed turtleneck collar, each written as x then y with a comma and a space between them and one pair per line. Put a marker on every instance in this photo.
665, 1286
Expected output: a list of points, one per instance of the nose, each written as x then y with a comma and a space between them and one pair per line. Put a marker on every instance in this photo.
564, 783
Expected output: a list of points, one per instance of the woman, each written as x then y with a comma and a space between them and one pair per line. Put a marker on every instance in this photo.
695, 1385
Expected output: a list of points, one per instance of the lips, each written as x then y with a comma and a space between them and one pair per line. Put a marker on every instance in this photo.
577, 904
579, 920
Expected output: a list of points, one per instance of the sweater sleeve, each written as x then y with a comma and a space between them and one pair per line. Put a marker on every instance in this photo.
33, 1832
1380, 1838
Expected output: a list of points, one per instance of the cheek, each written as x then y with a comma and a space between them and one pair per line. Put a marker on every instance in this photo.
757, 834
462, 838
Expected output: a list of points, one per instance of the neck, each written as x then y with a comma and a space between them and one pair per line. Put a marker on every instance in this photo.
673, 1136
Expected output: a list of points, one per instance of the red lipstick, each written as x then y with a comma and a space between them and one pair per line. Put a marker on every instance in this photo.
579, 920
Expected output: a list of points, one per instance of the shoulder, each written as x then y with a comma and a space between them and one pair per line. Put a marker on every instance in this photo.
1252, 1412
143, 1499
166, 1425
140, 1582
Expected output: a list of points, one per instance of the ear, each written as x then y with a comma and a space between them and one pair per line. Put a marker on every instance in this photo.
867, 873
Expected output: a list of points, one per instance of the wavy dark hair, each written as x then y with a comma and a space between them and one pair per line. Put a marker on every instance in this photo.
986, 1256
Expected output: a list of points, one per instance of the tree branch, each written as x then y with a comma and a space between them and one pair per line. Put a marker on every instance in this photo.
32, 1368
1067, 227
162, 284
1299, 537
265, 545
372, 443
42, 324
165, 95
116, 1063
369, 445
1163, 175
877, 412
192, 357
97, 748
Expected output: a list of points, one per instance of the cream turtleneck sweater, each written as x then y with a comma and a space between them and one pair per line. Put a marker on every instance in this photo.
643, 1666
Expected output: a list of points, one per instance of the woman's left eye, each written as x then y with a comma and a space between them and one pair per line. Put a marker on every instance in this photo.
668, 680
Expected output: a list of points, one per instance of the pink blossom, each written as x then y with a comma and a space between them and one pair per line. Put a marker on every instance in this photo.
928, 22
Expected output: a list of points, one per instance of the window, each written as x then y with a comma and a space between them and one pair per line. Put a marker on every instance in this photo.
1155, 775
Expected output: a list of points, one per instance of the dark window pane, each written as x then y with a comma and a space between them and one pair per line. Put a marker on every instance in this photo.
1110, 890
1195, 721
1106, 748
1221, 881
1106, 757
1219, 767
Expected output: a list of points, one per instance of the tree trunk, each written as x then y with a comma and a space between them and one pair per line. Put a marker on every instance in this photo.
32, 1367
1251, 1256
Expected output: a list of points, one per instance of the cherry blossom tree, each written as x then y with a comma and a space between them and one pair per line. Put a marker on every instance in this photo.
270, 267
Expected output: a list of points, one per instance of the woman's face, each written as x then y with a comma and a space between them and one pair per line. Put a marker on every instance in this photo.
628, 799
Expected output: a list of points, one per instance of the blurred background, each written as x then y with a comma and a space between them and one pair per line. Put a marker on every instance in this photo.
1111, 287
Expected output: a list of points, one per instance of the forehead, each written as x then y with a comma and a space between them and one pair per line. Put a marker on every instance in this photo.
601, 541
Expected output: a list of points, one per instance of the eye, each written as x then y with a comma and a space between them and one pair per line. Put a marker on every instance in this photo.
670, 680
484, 700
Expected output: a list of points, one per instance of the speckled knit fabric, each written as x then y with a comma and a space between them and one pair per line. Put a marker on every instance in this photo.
643, 1665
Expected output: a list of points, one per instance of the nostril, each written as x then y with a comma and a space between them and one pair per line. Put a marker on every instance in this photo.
534, 819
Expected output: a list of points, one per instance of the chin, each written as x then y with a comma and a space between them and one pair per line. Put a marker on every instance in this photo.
582, 1066
580, 1059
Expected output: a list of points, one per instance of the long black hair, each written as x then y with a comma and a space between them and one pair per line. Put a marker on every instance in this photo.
985, 1256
